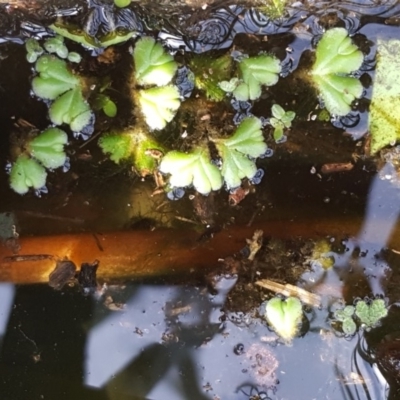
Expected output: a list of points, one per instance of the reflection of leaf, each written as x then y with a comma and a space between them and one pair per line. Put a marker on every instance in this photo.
54, 78
192, 168
256, 71
336, 56
27, 173
153, 65
159, 105
284, 316
235, 151
48, 147
71, 108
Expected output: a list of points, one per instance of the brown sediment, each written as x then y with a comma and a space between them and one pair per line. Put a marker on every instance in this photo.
130, 254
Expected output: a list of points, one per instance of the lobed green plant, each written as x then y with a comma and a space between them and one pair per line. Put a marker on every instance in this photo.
336, 58
345, 316
370, 313
238, 153
155, 67
280, 121
284, 316
44, 151
255, 72
57, 83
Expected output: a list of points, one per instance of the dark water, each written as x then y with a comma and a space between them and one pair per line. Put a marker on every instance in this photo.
171, 338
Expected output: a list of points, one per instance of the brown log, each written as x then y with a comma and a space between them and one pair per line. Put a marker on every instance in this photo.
130, 254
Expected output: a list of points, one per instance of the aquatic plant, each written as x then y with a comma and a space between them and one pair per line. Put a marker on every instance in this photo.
78, 35
345, 316
44, 151
192, 168
33, 50
159, 105
336, 58
209, 73
255, 72
384, 125
281, 120
133, 144
57, 83
238, 153
370, 313
155, 67
48, 148
273, 8
122, 3
284, 316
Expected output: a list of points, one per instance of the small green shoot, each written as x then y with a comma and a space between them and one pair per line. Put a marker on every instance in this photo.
56, 82
280, 121
56, 45
33, 50
336, 58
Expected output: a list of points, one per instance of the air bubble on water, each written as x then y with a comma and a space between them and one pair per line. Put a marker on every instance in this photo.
176, 194
268, 153
256, 179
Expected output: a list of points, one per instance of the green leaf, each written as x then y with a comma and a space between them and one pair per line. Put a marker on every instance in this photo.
288, 118
284, 316
27, 173
278, 133
74, 57
371, 314
346, 312
153, 65
277, 111
384, 110
229, 86
257, 71
122, 3
54, 78
48, 148
119, 146
247, 141
337, 56
33, 49
349, 326
71, 108
192, 168
338, 92
159, 105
